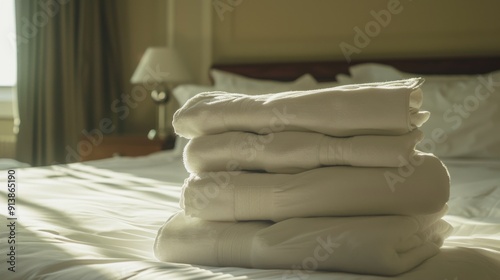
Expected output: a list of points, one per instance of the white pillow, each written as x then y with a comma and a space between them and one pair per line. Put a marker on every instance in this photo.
238, 84
230, 82
183, 93
326, 85
344, 79
465, 110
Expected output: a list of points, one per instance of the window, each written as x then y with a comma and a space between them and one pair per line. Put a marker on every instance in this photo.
8, 60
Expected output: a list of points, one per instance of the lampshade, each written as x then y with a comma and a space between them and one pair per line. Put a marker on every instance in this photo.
161, 64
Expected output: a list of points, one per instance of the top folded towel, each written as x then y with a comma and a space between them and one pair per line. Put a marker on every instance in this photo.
388, 108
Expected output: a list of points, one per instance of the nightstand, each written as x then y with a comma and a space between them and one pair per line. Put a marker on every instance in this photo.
126, 145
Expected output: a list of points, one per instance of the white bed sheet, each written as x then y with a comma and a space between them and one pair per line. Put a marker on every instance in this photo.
98, 220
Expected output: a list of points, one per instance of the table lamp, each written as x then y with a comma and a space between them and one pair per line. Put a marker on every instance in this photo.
160, 70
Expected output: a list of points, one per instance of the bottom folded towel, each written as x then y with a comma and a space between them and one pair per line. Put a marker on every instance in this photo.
380, 245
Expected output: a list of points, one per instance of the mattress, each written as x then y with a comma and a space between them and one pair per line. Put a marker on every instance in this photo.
99, 220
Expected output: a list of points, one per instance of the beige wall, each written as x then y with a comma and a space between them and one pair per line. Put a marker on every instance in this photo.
192, 35
286, 30
144, 25
281, 30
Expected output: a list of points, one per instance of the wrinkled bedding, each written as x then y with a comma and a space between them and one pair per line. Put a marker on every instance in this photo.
99, 220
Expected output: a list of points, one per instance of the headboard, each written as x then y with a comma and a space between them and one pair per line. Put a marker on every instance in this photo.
326, 70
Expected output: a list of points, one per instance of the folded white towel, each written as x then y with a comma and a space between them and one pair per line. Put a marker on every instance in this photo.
421, 187
389, 108
383, 245
293, 152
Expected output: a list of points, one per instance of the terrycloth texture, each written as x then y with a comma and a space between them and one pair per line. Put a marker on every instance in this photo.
421, 187
389, 108
294, 152
381, 245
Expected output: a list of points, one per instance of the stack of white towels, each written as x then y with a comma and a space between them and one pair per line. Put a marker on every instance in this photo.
325, 179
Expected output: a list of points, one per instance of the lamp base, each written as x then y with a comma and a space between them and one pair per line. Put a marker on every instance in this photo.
157, 134
152, 134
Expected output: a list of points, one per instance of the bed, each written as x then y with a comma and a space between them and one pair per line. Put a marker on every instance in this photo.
99, 219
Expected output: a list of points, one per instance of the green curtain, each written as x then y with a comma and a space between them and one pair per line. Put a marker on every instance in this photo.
69, 73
